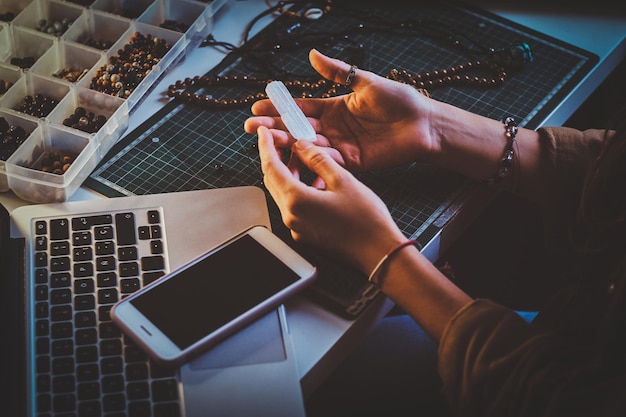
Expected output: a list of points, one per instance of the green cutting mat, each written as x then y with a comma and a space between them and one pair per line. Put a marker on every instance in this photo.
185, 147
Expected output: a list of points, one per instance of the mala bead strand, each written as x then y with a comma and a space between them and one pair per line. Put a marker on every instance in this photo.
181, 89
457, 74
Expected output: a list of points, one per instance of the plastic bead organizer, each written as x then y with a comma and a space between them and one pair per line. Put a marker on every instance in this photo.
57, 50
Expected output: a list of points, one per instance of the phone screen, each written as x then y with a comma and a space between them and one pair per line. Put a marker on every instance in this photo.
208, 294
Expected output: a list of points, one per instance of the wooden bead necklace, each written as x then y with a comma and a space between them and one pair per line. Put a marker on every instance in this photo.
458, 74
181, 89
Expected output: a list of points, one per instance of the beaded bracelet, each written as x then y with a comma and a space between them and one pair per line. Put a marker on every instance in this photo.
510, 127
389, 254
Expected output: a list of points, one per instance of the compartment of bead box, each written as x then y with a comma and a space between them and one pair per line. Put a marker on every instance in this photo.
64, 64
97, 29
107, 76
9, 75
51, 164
14, 130
66, 61
50, 17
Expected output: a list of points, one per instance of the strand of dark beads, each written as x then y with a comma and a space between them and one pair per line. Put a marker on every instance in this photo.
85, 121
460, 74
11, 137
38, 105
305, 89
130, 66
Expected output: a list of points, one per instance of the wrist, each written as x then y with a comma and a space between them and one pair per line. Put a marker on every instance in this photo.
378, 272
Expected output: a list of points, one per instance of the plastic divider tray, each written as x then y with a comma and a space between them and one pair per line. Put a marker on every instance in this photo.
37, 63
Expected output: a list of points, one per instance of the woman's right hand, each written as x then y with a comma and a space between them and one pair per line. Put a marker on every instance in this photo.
382, 123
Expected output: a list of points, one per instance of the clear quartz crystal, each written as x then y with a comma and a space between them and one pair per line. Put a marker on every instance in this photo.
295, 121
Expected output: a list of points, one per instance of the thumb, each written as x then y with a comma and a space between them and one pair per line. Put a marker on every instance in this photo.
319, 162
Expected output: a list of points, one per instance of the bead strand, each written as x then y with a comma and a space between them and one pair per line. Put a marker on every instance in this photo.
181, 89
455, 74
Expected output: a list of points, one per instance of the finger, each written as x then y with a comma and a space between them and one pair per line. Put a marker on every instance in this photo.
251, 125
319, 161
263, 108
336, 70
276, 174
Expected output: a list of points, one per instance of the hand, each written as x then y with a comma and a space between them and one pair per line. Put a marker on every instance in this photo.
383, 123
340, 215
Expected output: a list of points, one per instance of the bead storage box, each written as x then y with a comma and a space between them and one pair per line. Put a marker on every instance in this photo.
71, 73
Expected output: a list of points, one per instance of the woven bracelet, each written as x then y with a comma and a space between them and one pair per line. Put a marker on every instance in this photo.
389, 254
510, 131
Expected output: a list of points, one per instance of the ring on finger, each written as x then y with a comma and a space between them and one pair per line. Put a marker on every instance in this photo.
351, 75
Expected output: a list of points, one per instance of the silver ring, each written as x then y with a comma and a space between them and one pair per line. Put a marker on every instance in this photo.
351, 75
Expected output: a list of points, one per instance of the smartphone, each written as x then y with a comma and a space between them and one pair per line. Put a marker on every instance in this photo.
194, 307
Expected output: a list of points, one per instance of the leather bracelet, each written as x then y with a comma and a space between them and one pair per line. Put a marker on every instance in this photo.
389, 254
510, 131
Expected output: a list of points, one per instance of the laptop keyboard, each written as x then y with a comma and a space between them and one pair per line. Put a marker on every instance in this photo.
84, 365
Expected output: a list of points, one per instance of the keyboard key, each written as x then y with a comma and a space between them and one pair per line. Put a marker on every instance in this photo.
62, 263
63, 384
41, 243
60, 280
125, 229
144, 232
149, 277
127, 253
63, 330
130, 285
152, 263
107, 279
64, 347
62, 296
82, 253
129, 269
105, 263
156, 247
154, 216
88, 391
41, 227
61, 313
105, 247
81, 238
59, 229
84, 286
85, 223
103, 233
83, 269
155, 232
60, 248
84, 319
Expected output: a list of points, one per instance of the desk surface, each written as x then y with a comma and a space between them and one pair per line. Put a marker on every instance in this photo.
603, 34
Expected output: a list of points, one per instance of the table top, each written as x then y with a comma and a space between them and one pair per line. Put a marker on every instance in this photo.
600, 32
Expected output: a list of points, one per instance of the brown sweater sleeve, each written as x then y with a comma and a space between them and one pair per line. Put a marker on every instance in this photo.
566, 155
493, 363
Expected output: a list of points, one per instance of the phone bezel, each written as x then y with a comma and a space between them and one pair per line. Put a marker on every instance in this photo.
159, 346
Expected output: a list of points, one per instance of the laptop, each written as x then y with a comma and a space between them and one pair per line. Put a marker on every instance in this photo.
65, 264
